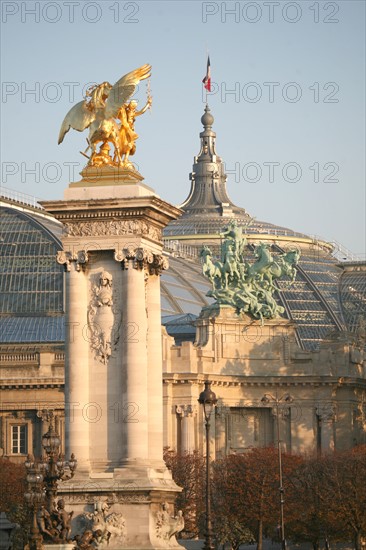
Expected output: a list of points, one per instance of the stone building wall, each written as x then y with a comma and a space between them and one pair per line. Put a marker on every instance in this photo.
244, 361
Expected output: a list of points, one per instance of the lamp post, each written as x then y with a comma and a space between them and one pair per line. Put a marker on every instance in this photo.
34, 496
54, 464
208, 399
286, 398
43, 476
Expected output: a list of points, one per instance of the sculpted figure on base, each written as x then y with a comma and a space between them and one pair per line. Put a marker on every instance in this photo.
110, 117
55, 526
247, 287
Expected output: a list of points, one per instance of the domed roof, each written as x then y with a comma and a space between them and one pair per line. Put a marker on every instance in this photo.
31, 282
208, 207
312, 301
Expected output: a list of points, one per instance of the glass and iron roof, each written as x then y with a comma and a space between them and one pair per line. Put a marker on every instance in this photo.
32, 287
31, 282
353, 294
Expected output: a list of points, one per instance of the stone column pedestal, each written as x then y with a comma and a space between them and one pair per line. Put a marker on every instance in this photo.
112, 252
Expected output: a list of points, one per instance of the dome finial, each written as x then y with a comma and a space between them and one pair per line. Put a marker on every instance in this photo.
207, 119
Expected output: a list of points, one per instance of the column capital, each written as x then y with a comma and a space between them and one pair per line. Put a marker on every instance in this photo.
186, 410
159, 264
65, 258
283, 412
326, 412
141, 258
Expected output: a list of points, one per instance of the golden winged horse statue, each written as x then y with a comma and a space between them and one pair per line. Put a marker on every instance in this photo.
99, 110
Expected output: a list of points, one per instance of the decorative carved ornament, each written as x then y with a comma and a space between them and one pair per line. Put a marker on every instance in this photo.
140, 258
111, 498
65, 258
168, 526
103, 322
186, 410
103, 228
102, 528
326, 412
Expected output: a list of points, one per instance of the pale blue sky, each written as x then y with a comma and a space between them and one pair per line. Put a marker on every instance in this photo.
319, 47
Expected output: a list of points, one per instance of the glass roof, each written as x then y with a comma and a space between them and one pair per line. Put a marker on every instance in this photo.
32, 329
320, 300
31, 282
353, 296
189, 224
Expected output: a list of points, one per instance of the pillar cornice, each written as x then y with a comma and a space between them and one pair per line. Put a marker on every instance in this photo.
113, 216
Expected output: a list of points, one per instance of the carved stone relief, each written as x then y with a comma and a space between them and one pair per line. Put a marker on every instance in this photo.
112, 227
101, 528
65, 258
140, 258
103, 321
326, 412
168, 526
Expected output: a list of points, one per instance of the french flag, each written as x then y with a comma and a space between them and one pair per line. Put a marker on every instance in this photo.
207, 80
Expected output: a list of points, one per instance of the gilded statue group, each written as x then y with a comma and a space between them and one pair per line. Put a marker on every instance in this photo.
247, 287
110, 114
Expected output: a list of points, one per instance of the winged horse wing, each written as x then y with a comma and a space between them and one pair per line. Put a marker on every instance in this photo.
79, 117
123, 89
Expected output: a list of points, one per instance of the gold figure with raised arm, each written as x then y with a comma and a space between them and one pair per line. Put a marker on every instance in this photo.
103, 104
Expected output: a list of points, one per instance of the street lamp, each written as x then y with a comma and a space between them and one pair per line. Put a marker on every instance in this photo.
34, 496
43, 476
54, 461
208, 399
286, 398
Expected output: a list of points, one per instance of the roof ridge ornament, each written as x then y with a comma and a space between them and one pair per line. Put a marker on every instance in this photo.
207, 118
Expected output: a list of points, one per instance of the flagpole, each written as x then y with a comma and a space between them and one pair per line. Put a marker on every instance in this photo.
207, 57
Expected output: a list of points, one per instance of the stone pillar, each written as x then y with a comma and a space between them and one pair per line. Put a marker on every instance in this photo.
187, 414
327, 415
222, 416
76, 360
154, 342
114, 367
134, 361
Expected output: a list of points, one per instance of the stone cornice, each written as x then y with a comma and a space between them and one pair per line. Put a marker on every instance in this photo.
149, 207
260, 381
31, 383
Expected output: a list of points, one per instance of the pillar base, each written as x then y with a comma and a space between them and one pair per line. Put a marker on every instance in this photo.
131, 508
